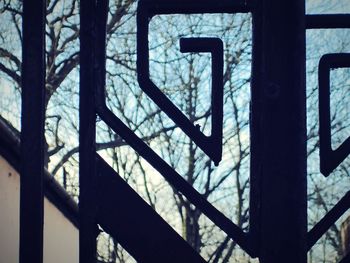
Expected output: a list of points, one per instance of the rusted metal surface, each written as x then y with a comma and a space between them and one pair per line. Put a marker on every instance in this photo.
32, 133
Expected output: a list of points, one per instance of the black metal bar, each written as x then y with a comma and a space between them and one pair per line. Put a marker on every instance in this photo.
327, 21
255, 131
87, 129
328, 220
32, 133
329, 158
231, 229
161, 7
281, 116
216, 48
135, 225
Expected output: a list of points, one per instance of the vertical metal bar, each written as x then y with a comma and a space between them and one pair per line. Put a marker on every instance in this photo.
32, 131
255, 133
279, 115
87, 127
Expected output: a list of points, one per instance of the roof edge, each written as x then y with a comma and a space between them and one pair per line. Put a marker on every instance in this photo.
54, 192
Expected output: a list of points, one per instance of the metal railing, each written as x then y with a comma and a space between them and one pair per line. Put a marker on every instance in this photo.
278, 205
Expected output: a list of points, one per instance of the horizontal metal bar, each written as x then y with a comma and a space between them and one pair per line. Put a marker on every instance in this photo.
123, 214
202, 44
328, 220
327, 21
161, 7
335, 60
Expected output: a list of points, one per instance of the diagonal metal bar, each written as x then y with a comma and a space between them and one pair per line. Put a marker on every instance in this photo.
328, 220
149, 155
327, 21
32, 134
147, 237
225, 224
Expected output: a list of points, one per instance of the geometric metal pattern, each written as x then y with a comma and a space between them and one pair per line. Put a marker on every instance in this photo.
171, 175
329, 159
215, 47
211, 145
279, 172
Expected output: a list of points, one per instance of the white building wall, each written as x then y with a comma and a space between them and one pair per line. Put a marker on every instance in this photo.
60, 235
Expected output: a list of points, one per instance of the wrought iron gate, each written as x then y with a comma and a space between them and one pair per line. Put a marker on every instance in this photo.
278, 214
